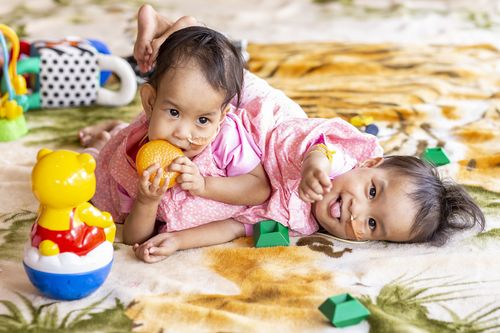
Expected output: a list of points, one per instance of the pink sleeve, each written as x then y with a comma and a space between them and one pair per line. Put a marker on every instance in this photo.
126, 202
234, 148
341, 160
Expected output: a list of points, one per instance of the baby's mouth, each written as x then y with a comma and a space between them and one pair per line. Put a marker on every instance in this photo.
336, 208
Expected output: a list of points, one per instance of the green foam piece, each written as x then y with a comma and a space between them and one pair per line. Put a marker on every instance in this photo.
436, 156
344, 310
270, 233
12, 129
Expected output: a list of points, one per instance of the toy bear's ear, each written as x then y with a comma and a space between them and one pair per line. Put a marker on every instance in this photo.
42, 152
87, 161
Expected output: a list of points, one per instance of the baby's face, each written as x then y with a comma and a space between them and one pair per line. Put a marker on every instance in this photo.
187, 110
368, 203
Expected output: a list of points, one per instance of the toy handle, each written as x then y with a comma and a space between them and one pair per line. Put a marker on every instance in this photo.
30, 66
128, 83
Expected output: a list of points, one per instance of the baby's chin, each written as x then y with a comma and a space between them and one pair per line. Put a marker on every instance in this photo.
191, 153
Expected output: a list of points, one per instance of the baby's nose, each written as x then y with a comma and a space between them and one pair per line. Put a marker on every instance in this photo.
182, 133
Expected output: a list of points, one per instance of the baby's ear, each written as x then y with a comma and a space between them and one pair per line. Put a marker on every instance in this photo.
224, 112
148, 97
371, 162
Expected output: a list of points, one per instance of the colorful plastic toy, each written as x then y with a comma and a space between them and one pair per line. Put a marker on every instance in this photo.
436, 156
102, 49
69, 73
12, 121
359, 121
371, 129
343, 310
70, 251
365, 123
161, 152
270, 233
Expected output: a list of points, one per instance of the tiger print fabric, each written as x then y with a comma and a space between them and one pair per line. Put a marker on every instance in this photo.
419, 96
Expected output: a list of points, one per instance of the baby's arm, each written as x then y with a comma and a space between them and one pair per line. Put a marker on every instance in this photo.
140, 222
315, 180
248, 189
163, 245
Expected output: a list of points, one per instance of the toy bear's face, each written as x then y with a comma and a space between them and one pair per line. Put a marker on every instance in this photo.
63, 178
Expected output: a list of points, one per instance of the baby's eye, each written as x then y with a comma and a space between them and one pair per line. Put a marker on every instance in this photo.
372, 224
173, 113
203, 120
373, 191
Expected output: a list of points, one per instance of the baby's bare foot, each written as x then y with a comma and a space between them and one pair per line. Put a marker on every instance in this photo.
99, 140
89, 134
147, 22
152, 30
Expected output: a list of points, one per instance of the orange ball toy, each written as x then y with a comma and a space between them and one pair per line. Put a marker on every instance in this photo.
161, 152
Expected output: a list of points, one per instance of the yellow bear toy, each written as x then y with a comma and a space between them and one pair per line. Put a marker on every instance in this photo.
64, 181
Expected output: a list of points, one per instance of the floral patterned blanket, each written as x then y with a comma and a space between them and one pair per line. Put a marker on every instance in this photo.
419, 97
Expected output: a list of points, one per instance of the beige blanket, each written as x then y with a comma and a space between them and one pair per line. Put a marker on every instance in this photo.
420, 96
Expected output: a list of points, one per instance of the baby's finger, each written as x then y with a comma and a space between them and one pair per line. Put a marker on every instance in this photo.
152, 168
185, 178
314, 186
145, 255
323, 179
144, 181
160, 251
183, 168
144, 63
303, 196
165, 185
154, 259
157, 179
182, 160
139, 253
313, 195
148, 51
139, 248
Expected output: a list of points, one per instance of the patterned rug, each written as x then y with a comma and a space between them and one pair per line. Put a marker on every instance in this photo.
419, 96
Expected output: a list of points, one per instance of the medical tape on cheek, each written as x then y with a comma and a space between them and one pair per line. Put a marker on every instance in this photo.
203, 140
199, 141
357, 233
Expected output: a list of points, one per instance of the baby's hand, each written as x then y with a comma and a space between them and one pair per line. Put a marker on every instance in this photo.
152, 192
314, 184
156, 248
190, 178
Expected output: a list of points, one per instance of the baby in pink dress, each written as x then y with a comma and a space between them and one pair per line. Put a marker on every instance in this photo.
188, 102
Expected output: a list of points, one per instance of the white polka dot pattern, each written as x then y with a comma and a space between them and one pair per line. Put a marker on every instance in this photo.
68, 79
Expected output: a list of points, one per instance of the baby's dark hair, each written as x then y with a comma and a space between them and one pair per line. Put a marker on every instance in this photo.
220, 61
442, 205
